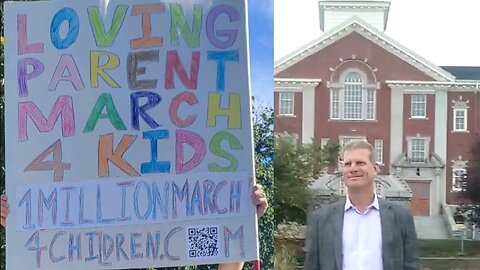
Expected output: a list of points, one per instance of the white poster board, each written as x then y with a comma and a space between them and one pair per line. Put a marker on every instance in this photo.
128, 134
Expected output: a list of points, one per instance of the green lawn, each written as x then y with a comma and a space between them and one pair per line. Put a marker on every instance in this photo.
448, 248
427, 248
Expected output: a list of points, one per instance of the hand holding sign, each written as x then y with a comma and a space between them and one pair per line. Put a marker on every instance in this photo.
4, 209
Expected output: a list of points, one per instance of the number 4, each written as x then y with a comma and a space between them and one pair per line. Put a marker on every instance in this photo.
40, 164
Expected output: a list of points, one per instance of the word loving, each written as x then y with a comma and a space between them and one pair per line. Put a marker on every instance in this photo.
141, 101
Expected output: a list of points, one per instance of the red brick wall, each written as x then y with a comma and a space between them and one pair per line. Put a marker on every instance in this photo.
289, 124
459, 143
413, 126
389, 67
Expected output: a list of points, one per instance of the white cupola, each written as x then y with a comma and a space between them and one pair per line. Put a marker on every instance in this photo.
333, 13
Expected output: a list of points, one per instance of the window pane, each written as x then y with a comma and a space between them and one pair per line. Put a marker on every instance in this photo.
458, 178
370, 104
379, 151
459, 120
335, 104
418, 105
286, 103
418, 150
353, 96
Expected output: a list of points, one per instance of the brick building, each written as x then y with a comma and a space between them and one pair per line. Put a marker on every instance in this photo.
355, 82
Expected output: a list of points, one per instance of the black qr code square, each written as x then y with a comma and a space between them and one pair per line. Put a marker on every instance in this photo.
203, 242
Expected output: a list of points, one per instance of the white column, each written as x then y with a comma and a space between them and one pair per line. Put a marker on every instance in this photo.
396, 123
440, 147
308, 115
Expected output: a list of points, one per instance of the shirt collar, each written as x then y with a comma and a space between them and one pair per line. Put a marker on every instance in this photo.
374, 204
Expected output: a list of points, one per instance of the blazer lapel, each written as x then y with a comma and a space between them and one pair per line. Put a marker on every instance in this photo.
387, 219
338, 212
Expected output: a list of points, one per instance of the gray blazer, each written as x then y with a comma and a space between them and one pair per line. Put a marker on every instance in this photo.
399, 239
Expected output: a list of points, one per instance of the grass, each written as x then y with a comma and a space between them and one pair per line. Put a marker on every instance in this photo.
448, 248
426, 248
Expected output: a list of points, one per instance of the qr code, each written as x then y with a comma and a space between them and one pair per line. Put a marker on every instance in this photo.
202, 242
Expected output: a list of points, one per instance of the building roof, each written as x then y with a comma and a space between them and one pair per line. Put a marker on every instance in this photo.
386, 185
464, 73
355, 24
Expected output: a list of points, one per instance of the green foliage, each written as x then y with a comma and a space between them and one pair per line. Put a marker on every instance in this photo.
295, 168
473, 173
2, 141
263, 146
285, 259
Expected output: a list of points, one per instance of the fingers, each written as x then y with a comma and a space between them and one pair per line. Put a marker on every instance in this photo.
4, 209
259, 199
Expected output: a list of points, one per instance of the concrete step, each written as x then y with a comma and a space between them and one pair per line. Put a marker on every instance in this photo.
432, 227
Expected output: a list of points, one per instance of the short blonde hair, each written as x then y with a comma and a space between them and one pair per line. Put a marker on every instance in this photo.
360, 144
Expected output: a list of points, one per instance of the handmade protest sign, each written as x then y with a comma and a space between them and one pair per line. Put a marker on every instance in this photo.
128, 134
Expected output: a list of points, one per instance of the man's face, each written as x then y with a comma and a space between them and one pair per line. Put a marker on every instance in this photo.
358, 171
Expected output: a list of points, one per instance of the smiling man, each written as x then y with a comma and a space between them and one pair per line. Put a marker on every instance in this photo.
362, 231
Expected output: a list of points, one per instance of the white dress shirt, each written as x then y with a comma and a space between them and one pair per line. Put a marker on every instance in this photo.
362, 238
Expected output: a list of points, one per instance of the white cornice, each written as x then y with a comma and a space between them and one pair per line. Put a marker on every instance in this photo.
355, 24
281, 84
455, 85
297, 81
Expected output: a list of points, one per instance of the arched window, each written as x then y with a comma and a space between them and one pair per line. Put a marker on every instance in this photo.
353, 98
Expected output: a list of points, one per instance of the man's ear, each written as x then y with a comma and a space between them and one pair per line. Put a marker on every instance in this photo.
376, 167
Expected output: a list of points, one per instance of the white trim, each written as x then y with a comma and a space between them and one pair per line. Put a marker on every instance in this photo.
417, 102
440, 142
308, 114
396, 124
419, 92
464, 170
297, 80
337, 91
323, 5
426, 150
324, 142
465, 120
379, 147
340, 89
355, 24
290, 108
451, 86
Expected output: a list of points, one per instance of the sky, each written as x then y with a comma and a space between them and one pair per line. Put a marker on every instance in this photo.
260, 17
447, 33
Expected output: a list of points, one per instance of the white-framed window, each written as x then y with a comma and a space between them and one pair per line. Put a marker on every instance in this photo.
379, 151
460, 120
324, 142
286, 103
352, 99
335, 105
419, 106
458, 178
417, 151
370, 104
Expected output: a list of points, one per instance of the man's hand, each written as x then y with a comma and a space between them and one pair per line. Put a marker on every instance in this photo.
4, 209
259, 199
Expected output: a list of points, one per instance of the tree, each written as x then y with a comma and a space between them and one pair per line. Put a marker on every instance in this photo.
2, 140
473, 173
295, 168
264, 151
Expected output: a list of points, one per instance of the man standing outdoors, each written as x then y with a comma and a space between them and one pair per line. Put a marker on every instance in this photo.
362, 231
